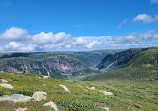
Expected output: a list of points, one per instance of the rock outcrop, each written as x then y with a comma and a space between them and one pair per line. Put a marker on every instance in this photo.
59, 66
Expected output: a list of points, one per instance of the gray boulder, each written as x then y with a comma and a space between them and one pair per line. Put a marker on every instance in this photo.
7, 86
38, 96
15, 98
52, 105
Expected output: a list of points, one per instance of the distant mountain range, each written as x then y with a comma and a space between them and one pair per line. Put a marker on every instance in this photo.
60, 65
134, 63
138, 63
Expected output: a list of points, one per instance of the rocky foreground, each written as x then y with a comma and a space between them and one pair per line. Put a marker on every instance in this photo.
22, 92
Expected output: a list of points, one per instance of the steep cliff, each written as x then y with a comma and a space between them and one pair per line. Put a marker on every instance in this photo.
119, 59
134, 64
61, 65
56, 67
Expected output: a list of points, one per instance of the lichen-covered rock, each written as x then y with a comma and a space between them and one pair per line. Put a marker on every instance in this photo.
4, 81
106, 108
84, 89
7, 86
21, 109
52, 105
45, 77
64, 87
38, 96
15, 98
106, 93
44, 84
93, 88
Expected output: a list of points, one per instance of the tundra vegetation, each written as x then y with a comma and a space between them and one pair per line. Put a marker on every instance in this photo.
127, 95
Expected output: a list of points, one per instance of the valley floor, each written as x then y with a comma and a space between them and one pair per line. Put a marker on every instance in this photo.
128, 95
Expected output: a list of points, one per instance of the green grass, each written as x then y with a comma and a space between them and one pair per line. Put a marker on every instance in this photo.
128, 95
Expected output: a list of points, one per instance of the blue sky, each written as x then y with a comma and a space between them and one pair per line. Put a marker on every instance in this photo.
30, 25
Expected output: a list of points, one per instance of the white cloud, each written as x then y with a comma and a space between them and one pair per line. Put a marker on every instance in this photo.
145, 18
43, 38
88, 42
137, 37
81, 40
93, 43
20, 40
14, 46
154, 1
122, 23
13, 34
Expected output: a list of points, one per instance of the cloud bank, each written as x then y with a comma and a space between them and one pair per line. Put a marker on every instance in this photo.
19, 40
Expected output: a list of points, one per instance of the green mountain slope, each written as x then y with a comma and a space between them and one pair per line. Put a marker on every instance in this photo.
119, 59
128, 95
142, 65
148, 58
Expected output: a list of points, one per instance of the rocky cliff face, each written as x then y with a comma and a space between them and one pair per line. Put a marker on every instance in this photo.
61, 65
119, 59
54, 67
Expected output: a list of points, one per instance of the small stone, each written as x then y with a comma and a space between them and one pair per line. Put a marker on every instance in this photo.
92, 88
4, 81
106, 93
44, 84
84, 89
21, 109
64, 87
106, 108
45, 77
79, 86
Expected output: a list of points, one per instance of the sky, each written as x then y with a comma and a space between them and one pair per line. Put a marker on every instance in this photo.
77, 25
